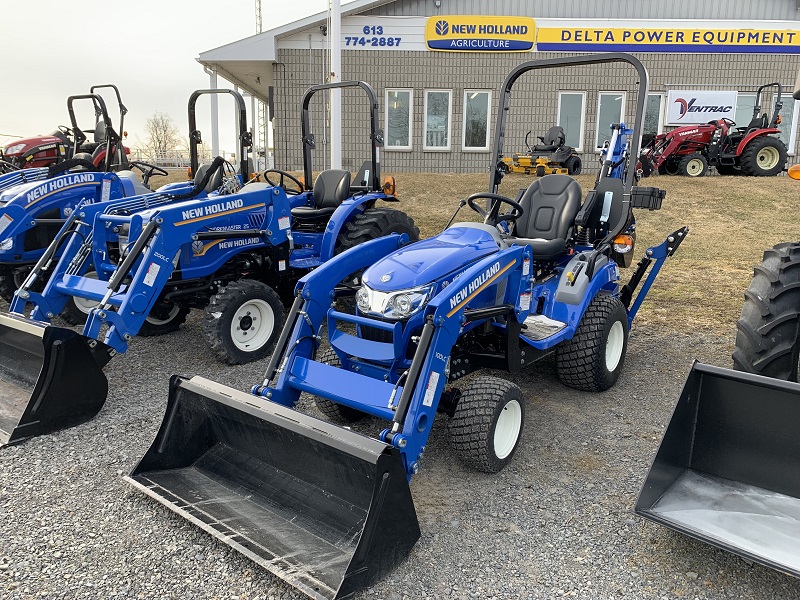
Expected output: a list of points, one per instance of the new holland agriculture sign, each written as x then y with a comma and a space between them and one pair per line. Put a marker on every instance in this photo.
465, 33
687, 107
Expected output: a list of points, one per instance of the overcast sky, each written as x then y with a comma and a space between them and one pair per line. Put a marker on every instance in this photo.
57, 48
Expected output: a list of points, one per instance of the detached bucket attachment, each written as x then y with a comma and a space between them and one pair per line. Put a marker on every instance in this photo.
327, 510
728, 469
50, 378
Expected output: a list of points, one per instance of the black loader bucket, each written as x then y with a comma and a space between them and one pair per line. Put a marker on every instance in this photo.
327, 510
728, 469
50, 378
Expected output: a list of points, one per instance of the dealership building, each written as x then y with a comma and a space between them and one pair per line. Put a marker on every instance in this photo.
437, 66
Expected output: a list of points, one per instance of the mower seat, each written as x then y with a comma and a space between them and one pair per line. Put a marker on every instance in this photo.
554, 139
331, 188
549, 208
216, 179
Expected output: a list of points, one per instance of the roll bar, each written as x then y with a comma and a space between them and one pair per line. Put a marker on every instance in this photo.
773, 122
375, 135
101, 112
243, 134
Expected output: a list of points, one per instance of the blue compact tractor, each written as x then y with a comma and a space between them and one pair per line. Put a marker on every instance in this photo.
328, 509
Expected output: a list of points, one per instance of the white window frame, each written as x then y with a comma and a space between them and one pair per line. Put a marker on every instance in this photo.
579, 147
793, 133
464, 147
410, 146
597, 124
425, 146
662, 110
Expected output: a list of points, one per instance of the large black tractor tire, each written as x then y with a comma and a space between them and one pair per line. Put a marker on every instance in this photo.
573, 165
693, 165
335, 412
7, 288
728, 170
592, 360
768, 331
487, 425
164, 318
763, 157
243, 321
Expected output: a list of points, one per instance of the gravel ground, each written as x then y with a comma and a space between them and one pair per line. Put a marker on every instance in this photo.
557, 522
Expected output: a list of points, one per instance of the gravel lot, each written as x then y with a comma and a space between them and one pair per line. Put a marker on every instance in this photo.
557, 522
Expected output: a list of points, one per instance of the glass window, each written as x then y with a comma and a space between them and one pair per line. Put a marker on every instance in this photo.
745, 103
570, 117
438, 110
476, 119
787, 124
653, 121
398, 119
610, 108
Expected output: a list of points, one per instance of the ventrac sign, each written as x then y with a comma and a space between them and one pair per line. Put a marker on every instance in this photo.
687, 107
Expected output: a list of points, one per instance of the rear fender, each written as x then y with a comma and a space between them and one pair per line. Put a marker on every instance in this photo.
753, 135
346, 211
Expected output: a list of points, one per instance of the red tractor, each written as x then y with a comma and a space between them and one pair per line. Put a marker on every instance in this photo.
690, 150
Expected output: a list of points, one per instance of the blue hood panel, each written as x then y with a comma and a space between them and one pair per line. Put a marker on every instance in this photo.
430, 260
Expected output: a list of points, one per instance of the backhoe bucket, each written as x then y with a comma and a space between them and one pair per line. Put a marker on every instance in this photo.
50, 378
728, 469
327, 510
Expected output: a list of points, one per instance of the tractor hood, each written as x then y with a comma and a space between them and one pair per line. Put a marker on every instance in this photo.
433, 259
15, 191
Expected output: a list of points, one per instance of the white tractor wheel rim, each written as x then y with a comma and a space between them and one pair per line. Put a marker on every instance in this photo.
172, 314
614, 344
695, 167
85, 305
506, 432
252, 325
768, 157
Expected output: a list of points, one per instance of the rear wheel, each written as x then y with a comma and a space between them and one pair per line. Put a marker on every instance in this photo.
763, 157
768, 331
335, 412
243, 321
693, 165
592, 360
573, 165
487, 425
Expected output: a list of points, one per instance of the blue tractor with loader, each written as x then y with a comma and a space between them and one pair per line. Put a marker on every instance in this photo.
234, 254
329, 510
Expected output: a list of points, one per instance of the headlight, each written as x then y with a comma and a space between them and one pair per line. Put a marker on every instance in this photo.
6, 244
14, 149
394, 305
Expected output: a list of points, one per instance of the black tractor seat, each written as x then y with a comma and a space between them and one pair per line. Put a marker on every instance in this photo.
548, 218
331, 188
554, 139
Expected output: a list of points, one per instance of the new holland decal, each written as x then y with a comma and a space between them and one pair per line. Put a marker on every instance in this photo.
476, 286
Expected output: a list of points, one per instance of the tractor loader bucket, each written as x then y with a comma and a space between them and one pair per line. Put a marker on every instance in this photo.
50, 378
728, 469
327, 510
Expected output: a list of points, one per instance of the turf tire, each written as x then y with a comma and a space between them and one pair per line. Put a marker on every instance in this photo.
573, 165
487, 402
768, 331
221, 311
164, 318
337, 413
583, 361
693, 165
749, 162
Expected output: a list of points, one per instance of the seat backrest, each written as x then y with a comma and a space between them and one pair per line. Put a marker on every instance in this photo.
100, 132
216, 179
331, 188
549, 207
555, 136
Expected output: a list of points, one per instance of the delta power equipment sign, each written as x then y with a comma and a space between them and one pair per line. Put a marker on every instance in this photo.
691, 107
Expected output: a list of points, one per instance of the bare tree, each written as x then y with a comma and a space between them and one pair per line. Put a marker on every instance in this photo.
162, 134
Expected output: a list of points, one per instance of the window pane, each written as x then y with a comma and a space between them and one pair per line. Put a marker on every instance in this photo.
437, 126
610, 111
476, 119
652, 114
786, 125
570, 116
744, 109
398, 109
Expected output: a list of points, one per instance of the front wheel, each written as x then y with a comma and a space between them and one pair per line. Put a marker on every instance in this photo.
592, 360
487, 425
164, 317
693, 165
76, 310
243, 321
765, 156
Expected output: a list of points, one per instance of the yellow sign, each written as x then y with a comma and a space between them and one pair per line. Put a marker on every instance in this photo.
645, 39
474, 33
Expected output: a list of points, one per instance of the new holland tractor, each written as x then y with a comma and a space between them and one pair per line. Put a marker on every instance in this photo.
329, 510
752, 150
233, 254
35, 203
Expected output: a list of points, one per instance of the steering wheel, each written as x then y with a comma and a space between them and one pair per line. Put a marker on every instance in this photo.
65, 130
148, 170
491, 217
284, 175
